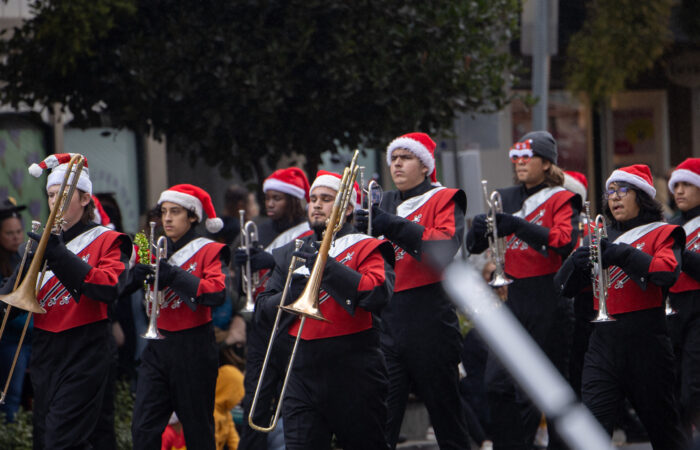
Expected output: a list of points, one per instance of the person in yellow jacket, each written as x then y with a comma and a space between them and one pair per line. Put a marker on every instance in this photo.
229, 392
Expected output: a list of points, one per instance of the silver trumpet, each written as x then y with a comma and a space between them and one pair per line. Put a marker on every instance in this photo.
497, 247
373, 193
599, 276
154, 296
251, 280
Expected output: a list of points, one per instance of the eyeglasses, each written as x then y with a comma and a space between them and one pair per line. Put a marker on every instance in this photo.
517, 156
621, 192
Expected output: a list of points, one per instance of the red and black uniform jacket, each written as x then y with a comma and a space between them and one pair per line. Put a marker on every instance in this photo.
199, 282
358, 281
78, 286
649, 268
547, 236
428, 234
689, 280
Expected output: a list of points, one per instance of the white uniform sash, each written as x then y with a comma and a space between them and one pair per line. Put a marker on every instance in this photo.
286, 236
337, 248
407, 207
77, 245
536, 200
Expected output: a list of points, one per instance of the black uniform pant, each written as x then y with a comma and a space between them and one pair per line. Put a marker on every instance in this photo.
177, 374
421, 344
338, 387
69, 372
268, 397
584, 312
632, 357
548, 319
104, 437
685, 335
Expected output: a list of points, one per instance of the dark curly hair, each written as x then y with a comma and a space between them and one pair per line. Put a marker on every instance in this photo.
649, 209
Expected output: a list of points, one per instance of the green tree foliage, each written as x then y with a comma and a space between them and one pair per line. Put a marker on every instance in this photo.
619, 40
234, 82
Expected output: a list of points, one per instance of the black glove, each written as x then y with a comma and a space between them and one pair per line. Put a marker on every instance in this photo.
582, 258
239, 257
142, 272
479, 227
361, 220
55, 248
259, 259
309, 256
691, 264
166, 273
507, 224
613, 254
382, 221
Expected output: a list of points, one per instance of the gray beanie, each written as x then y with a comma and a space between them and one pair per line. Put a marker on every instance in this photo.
542, 144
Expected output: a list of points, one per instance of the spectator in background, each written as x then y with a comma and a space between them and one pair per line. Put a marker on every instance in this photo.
111, 208
11, 249
235, 199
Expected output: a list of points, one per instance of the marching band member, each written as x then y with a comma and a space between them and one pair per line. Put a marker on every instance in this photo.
70, 358
685, 294
577, 183
632, 356
420, 331
284, 191
338, 383
179, 373
539, 221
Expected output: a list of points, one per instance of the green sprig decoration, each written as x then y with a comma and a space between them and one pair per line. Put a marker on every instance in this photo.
144, 250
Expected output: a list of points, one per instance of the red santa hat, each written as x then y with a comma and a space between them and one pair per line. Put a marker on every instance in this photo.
576, 182
420, 145
637, 175
101, 216
291, 180
331, 180
58, 163
688, 171
196, 200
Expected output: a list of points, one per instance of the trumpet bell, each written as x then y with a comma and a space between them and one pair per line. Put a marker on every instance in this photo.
24, 298
603, 318
152, 333
500, 280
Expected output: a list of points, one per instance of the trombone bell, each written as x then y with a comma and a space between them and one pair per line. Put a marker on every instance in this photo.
24, 298
306, 305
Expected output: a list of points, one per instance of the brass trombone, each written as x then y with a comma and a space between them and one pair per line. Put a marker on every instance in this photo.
24, 297
251, 280
154, 296
273, 422
307, 305
494, 206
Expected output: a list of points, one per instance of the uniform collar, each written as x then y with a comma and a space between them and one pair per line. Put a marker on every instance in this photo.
690, 214
532, 190
187, 237
422, 188
77, 229
632, 223
347, 229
